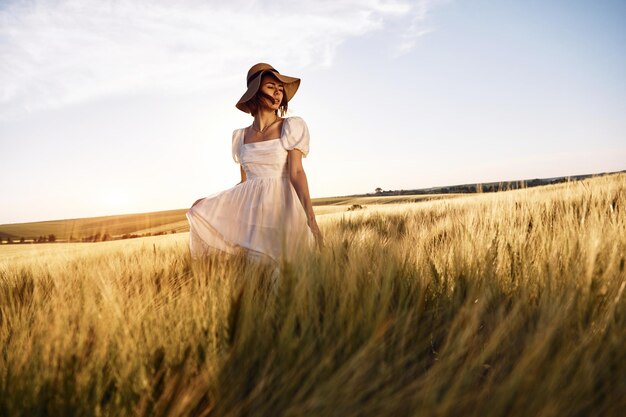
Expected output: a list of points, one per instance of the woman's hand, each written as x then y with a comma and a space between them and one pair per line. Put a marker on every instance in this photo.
316, 232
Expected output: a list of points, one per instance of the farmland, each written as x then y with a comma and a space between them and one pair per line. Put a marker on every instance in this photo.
499, 304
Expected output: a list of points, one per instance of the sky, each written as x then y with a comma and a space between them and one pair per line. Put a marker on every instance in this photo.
110, 107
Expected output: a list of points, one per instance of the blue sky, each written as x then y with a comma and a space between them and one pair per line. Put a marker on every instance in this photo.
128, 106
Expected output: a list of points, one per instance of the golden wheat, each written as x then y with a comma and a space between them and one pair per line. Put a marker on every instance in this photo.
506, 304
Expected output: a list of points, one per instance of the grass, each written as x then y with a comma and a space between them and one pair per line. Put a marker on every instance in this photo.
505, 304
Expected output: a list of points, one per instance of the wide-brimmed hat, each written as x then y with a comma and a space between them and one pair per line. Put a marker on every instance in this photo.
253, 80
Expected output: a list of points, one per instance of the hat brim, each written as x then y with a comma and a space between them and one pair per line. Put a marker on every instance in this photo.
291, 85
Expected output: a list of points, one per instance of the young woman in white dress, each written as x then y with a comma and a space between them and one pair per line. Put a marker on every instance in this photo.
268, 214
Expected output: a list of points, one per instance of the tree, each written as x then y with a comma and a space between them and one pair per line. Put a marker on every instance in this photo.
378, 190
52, 238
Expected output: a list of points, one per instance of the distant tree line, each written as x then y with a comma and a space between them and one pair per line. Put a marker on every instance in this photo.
98, 237
51, 238
488, 187
460, 189
132, 235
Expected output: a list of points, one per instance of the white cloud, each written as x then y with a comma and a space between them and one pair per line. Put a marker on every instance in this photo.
417, 27
59, 52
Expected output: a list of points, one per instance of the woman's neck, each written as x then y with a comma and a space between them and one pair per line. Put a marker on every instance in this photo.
264, 118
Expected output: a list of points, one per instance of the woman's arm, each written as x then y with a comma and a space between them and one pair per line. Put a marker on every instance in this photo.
298, 179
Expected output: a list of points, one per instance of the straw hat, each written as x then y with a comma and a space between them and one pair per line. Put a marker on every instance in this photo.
253, 80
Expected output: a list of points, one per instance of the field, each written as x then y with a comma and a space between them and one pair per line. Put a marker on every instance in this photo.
164, 222
499, 304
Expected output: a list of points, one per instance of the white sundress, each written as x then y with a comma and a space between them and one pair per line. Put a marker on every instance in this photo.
261, 215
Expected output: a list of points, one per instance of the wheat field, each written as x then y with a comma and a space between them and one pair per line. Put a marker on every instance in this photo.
500, 304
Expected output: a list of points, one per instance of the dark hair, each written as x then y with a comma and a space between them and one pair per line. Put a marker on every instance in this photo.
255, 103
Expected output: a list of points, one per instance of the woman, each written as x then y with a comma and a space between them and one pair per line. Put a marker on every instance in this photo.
268, 215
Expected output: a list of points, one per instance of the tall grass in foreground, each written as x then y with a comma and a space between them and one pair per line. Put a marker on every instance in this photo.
508, 304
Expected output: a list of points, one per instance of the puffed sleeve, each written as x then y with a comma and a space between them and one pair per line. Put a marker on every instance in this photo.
237, 144
295, 135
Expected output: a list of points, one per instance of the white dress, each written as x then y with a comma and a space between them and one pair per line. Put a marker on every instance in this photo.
262, 215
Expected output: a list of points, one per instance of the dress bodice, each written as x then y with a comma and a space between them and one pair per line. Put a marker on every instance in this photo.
264, 159
268, 158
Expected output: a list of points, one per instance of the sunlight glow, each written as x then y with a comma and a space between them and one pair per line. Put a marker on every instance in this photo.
113, 201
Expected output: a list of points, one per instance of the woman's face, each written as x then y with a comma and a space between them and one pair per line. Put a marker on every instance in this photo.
273, 88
